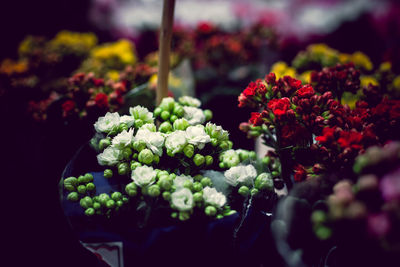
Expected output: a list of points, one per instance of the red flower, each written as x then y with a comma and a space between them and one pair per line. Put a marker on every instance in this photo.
68, 106
256, 119
205, 27
101, 100
279, 106
292, 134
300, 173
306, 91
98, 82
327, 135
250, 90
350, 140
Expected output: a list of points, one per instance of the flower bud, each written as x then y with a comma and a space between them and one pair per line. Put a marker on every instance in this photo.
224, 145
198, 177
96, 205
208, 114
156, 158
166, 195
174, 215
123, 168
252, 155
146, 156
81, 179
131, 189
165, 183
244, 190
197, 186
254, 191
219, 216
154, 190
103, 198
188, 184
222, 165
206, 182
180, 124
126, 153
165, 127
81, 189
73, 196
110, 203
86, 202
139, 145
138, 123
104, 143
188, 150
210, 211
108, 173
214, 142
199, 159
198, 197
123, 127
264, 182
70, 183
178, 111
165, 115
209, 160
89, 212
184, 215
125, 199
116, 196
243, 155
167, 103
266, 160
157, 112
90, 187
135, 164
119, 203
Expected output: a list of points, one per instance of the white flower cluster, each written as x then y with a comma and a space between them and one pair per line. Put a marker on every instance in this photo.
241, 174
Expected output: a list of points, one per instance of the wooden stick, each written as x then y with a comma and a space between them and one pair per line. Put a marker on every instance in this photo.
164, 49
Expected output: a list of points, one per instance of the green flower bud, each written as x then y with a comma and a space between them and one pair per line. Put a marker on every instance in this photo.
165, 127
70, 183
119, 203
208, 113
125, 199
252, 155
275, 174
167, 103
139, 145
188, 150
214, 142
123, 168
198, 177
209, 160
323, 232
131, 189
138, 123
254, 191
229, 212
82, 179
178, 111
180, 124
157, 112
184, 215
230, 144
210, 211
206, 182
156, 159
219, 216
244, 190
108, 173
135, 164
266, 160
123, 127
126, 153
224, 145
174, 215
154, 190
90, 187
73, 196
197, 186
172, 176
318, 217
96, 205
146, 156
199, 159
198, 197
104, 143
166, 195
86, 202
222, 165
188, 184
165, 183
103, 198
116, 196
110, 203
135, 155
173, 118
243, 155
82, 189
264, 182
89, 212
88, 177
165, 115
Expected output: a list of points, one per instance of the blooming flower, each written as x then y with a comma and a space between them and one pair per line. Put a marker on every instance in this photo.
179, 181
240, 174
128, 120
230, 158
101, 100
182, 199
189, 101
216, 131
279, 106
194, 115
197, 136
176, 141
110, 156
213, 197
107, 123
142, 113
305, 92
144, 176
154, 140
123, 139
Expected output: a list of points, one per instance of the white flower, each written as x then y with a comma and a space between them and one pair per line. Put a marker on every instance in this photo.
149, 126
110, 156
240, 174
123, 139
128, 120
189, 101
213, 197
197, 136
107, 123
216, 131
167, 103
230, 158
194, 115
176, 141
142, 113
179, 181
144, 176
182, 199
154, 140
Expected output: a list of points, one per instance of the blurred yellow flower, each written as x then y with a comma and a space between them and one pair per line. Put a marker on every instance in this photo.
305, 77
385, 66
122, 50
113, 75
396, 82
362, 60
281, 69
9, 66
366, 80
73, 41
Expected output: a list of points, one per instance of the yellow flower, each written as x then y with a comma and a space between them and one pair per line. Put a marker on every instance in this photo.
396, 82
385, 66
344, 58
362, 60
113, 75
73, 42
122, 50
366, 80
305, 77
281, 69
9, 66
